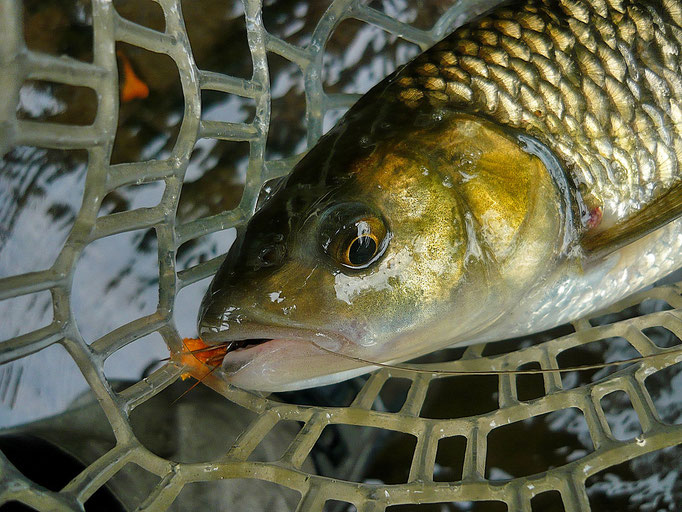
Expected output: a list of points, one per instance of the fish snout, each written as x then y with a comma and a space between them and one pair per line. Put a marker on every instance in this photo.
252, 252
215, 315
235, 286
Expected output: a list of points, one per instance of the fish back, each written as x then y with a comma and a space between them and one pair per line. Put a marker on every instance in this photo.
599, 82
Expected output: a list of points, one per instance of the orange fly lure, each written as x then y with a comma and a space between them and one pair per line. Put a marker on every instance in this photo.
201, 359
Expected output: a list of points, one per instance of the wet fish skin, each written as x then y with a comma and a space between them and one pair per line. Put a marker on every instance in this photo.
487, 159
437, 256
599, 82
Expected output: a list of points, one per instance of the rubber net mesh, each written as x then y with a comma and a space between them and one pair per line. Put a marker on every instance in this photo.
19, 64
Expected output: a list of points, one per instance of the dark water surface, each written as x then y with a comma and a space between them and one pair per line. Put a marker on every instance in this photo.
116, 278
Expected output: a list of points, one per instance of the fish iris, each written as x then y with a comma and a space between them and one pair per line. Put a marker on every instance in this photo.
361, 250
355, 242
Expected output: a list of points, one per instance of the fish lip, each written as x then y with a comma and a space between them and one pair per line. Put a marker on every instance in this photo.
247, 331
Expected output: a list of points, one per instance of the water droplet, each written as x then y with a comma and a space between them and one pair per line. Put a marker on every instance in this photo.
276, 297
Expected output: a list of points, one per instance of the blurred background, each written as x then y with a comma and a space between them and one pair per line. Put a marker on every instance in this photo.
116, 278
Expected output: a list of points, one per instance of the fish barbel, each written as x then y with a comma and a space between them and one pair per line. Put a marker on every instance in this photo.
523, 172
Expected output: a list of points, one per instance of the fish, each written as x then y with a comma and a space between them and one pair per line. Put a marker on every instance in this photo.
520, 174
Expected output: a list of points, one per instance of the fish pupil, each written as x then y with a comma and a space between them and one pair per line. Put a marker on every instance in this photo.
362, 250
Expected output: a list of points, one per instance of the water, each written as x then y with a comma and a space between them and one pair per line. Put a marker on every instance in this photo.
116, 278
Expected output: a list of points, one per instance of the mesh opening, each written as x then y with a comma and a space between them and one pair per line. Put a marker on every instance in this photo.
205, 78
34, 180
58, 103
59, 28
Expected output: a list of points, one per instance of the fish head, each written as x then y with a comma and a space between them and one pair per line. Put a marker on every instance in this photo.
382, 252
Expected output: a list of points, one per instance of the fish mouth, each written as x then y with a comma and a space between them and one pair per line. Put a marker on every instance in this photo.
271, 358
240, 345
249, 338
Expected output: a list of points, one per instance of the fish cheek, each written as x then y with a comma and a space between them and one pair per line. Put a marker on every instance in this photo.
375, 303
508, 193
301, 293
411, 284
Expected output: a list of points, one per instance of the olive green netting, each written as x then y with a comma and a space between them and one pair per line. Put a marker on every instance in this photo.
18, 64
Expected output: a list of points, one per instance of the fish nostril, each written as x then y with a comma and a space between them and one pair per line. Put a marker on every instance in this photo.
271, 255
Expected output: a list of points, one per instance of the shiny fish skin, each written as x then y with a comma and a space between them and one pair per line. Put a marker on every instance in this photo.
599, 82
491, 173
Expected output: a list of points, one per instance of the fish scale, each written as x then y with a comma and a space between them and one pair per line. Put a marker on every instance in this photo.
479, 231
597, 82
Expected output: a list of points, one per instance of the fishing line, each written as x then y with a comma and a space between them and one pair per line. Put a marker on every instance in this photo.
199, 381
534, 371
578, 368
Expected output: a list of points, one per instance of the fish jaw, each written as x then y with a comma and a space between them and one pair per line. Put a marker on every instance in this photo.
288, 359
287, 365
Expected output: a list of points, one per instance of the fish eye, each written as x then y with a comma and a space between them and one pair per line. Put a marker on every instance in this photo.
361, 250
356, 241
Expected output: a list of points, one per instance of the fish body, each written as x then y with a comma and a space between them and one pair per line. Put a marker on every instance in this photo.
519, 174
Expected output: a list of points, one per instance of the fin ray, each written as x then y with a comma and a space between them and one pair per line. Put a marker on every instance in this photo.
657, 214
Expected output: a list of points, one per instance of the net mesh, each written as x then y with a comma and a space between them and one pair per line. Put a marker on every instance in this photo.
20, 64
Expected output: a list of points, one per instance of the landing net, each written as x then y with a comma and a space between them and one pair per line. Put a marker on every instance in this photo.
653, 411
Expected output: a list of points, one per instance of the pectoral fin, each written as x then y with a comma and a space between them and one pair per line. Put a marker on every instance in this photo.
657, 214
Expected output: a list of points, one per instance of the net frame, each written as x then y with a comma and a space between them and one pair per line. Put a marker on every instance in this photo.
20, 64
